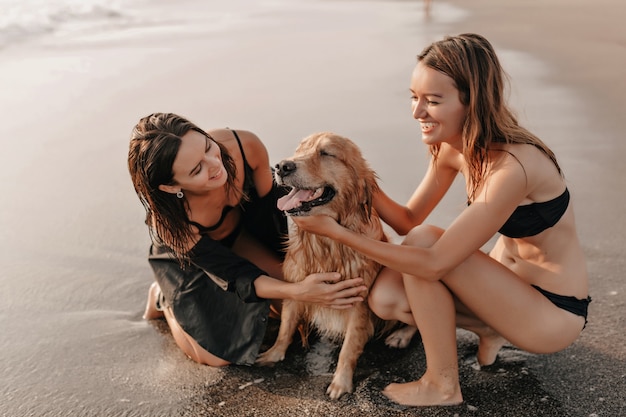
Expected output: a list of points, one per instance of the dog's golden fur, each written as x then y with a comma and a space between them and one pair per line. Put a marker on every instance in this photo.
325, 161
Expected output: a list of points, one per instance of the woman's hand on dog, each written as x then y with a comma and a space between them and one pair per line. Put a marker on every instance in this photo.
329, 290
319, 225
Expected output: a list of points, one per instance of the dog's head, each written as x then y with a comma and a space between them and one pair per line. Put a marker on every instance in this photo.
328, 175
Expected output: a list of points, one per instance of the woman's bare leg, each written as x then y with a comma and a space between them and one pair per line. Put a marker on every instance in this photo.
388, 300
489, 341
497, 297
188, 345
433, 309
387, 297
245, 246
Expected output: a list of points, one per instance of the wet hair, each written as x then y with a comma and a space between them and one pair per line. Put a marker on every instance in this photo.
470, 60
154, 144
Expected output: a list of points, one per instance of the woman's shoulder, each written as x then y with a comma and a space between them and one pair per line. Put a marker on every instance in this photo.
540, 173
227, 134
231, 138
250, 140
228, 137
527, 155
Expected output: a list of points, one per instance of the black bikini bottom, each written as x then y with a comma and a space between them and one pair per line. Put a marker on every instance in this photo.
574, 305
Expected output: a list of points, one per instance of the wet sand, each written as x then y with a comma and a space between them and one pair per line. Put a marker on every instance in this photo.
74, 273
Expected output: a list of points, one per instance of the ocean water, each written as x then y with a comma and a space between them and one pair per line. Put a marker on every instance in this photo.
23, 20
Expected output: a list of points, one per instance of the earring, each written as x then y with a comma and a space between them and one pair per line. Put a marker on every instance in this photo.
180, 194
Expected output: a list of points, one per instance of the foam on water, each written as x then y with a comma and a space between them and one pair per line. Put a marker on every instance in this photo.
22, 19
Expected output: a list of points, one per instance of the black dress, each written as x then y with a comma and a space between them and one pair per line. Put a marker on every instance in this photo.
213, 299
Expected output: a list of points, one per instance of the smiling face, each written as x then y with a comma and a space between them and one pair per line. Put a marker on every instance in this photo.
198, 166
328, 175
435, 103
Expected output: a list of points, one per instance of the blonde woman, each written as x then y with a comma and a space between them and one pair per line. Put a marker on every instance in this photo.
531, 289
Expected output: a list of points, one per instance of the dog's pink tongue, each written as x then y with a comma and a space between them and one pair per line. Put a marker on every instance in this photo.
294, 199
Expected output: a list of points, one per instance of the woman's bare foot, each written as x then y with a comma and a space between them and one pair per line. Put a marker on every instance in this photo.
423, 393
152, 312
488, 347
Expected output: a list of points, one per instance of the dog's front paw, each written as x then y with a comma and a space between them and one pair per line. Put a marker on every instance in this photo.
341, 384
270, 357
401, 337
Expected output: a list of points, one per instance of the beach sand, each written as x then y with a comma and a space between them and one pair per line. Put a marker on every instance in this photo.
74, 271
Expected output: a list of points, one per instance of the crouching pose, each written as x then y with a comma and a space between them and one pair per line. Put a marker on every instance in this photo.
531, 289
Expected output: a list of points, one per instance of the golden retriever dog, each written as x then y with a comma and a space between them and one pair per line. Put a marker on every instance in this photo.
328, 175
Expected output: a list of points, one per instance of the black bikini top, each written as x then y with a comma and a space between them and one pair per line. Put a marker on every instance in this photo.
532, 219
248, 184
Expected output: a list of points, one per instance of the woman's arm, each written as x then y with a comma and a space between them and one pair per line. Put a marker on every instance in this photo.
321, 288
227, 269
436, 182
236, 274
504, 190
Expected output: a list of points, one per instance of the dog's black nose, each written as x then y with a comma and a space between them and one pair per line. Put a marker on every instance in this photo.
284, 168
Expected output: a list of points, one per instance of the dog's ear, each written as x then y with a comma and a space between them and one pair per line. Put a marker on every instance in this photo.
368, 195
370, 187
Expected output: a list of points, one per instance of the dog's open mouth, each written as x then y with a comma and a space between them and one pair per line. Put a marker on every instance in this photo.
300, 201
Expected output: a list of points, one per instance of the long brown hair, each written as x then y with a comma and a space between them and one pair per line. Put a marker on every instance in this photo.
154, 144
471, 62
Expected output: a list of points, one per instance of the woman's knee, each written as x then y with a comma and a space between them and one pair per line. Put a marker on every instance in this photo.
424, 235
378, 302
209, 359
189, 345
385, 294
198, 354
